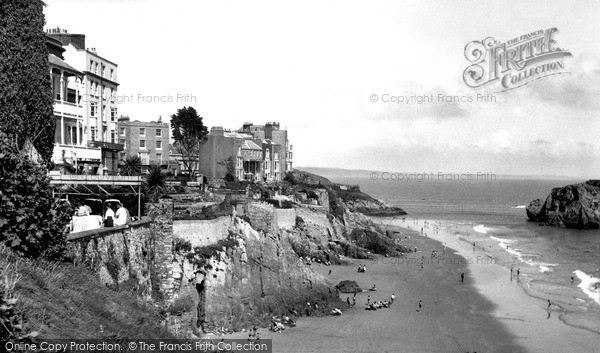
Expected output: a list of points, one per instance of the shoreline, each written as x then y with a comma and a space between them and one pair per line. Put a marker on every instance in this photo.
525, 315
455, 317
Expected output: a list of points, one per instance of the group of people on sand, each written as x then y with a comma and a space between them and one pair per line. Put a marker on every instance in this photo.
379, 304
362, 268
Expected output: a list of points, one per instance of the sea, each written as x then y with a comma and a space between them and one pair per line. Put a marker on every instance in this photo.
559, 264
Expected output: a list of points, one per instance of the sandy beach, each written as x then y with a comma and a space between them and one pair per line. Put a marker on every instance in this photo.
536, 328
455, 317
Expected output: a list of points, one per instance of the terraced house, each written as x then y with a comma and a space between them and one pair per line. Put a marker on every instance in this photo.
253, 153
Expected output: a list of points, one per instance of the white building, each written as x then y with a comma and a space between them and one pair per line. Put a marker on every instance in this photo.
90, 96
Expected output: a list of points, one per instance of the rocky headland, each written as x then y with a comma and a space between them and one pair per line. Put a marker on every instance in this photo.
572, 206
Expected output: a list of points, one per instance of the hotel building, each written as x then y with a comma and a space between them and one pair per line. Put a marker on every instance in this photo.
84, 88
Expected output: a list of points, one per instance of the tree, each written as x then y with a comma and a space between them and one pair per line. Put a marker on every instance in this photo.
156, 182
229, 165
32, 221
189, 134
132, 165
25, 88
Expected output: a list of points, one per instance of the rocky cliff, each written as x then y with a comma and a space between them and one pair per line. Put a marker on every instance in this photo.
247, 278
574, 206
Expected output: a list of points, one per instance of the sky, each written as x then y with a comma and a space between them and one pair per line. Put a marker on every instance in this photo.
316, 66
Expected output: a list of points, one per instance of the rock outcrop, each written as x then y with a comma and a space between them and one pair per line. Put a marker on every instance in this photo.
574, 206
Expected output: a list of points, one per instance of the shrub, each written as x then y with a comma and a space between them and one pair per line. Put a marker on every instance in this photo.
32, 222
202, 254
182, 304
299, 222
181, 245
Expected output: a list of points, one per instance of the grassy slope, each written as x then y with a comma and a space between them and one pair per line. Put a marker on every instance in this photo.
61, 300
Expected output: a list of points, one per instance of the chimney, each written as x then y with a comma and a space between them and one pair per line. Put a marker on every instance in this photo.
217, 131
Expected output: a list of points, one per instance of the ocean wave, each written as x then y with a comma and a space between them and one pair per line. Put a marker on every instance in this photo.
482, 229
505, 244
587, 285
521, 206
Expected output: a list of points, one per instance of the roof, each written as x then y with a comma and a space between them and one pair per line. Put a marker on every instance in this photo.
56, 61
250, 145
236, 134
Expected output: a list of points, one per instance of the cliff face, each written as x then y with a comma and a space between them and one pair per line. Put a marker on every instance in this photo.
574, 206
256, 276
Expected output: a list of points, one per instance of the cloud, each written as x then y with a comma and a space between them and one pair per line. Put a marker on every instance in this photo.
579, 90
412, 101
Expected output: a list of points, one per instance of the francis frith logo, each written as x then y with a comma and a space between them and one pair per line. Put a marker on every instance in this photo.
516, 62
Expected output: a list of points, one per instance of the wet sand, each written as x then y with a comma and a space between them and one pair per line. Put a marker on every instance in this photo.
537, 329
455, 317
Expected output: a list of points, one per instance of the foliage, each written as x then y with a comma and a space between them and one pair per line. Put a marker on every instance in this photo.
299, 222
131, 165
156, 182
290, 178
202, 254
181, 245
57, 299
230, 168
182, 304
11, 323
32, 222
26, 92
189, 134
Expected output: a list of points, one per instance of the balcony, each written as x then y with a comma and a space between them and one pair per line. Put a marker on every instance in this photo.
76, 153
67, 109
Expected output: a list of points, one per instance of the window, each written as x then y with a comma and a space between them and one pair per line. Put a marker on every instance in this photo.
93, 109
142, 131
122, 131
159, 145
159, 157
142, 143
93, 133
91, 65
113, 136
113, 114
112, 74
158, 132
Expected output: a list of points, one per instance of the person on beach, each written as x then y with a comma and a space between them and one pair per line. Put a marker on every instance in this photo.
353, 301
392, 298
518, 272
329, 272
420, 305
415, 249
368, 300
572, 278
462, 277
348, 301
549, 304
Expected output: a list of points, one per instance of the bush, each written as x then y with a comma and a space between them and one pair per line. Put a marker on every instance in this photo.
202, 254
32, 222
181, 245
299, 222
